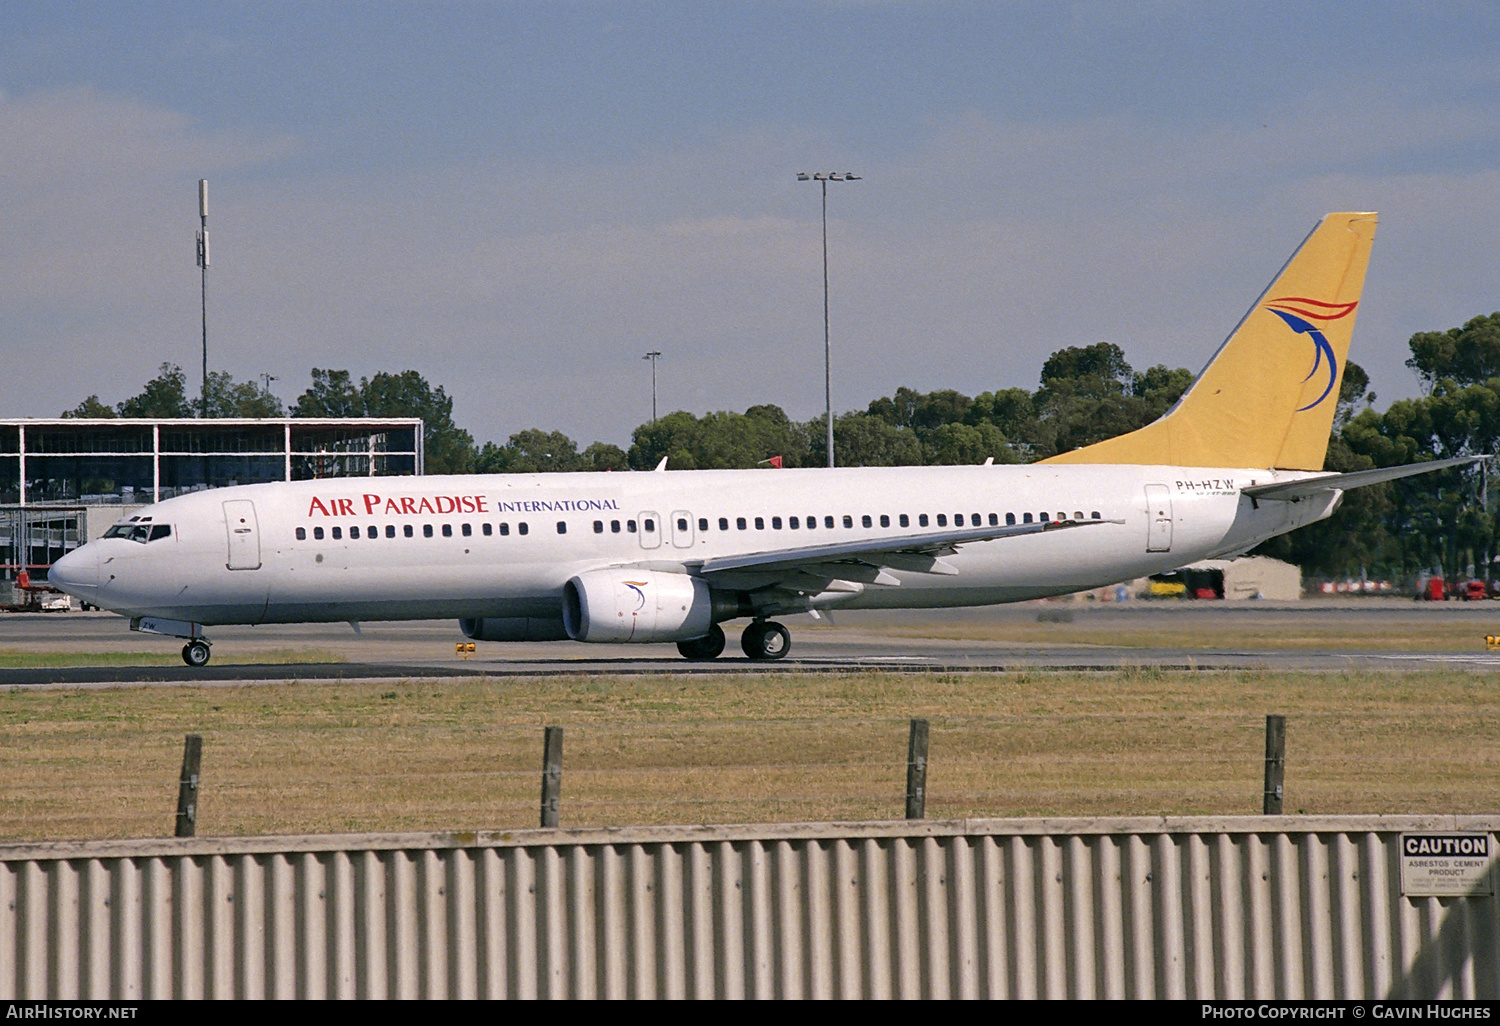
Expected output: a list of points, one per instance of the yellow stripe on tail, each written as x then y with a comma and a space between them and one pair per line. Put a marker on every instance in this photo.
1267, 397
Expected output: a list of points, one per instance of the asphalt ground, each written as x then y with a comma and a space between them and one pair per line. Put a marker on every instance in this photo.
857, 641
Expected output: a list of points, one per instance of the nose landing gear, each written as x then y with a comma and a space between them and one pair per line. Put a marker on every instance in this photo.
766, 640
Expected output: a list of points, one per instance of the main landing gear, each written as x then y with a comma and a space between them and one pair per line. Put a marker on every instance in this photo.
762, 640
196, 653
766, 639
701, 650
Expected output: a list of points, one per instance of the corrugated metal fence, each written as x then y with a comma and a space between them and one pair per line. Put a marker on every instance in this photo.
1265, 907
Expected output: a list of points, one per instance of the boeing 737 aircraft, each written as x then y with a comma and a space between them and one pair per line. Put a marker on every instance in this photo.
668, 557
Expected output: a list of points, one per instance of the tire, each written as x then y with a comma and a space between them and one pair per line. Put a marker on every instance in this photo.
765, 640
196, 653
701, 650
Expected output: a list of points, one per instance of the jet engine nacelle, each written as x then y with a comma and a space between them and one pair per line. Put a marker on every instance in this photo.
637, 606
512, 628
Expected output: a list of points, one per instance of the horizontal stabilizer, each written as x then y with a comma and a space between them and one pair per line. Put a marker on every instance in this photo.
1301, 489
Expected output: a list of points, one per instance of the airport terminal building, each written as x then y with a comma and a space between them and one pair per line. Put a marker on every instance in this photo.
65, 481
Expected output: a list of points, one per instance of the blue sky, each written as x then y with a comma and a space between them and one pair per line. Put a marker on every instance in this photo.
519, 199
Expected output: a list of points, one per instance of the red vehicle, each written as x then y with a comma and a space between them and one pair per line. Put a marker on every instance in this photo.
1433, 590
1474, 591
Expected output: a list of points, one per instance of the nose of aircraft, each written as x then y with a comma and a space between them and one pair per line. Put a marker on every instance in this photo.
77, 573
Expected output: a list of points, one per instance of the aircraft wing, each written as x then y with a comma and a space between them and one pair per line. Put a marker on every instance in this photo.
865, 561
1291, 491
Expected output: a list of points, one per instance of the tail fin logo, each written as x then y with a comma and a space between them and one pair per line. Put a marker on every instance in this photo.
1298, 312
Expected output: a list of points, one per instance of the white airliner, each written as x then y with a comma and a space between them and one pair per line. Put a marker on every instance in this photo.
668, 556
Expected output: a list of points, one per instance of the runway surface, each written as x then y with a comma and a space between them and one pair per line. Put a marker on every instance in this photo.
1002, 638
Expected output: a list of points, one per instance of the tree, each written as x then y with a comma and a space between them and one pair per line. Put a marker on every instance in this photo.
958, 444
447, 448
228, 398
331, 394
92, 409
165, 396
720, 440
1466, 355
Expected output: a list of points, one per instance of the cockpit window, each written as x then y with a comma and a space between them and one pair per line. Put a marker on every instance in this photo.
142, 532
160, 531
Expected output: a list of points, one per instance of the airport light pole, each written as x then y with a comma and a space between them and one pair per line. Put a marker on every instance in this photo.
653, 356
203, 266
824, 178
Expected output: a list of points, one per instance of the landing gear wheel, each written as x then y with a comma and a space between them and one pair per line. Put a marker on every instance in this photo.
766, 639
196, 653
705, 648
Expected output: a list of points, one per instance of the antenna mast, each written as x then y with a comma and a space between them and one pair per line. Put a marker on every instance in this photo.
203, 267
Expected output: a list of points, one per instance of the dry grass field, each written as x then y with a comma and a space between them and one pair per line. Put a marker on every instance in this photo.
466, 754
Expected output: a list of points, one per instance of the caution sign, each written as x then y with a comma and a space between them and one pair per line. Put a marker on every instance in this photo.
1446, 864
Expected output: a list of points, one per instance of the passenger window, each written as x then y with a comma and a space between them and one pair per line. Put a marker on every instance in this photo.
723, 523
994, 520
1077, 515
390, 530
921, 519
353, 532
812, 523
614, 527
1095, 515
598, 527
793, 523
848, 520
776, 523
486, 529
317, 534
942, 520
426, 530
1010, 519
372, 531
958, 520
682, 525
1061, 515
739, 522
630, 526
504, 530
407, 530
1026, 517
302, 534
447, 530
905, 520
338, 533
760, 523
521, 528
828, 523
974, 519
466, 530
865, 521
703, 523
562, 527
885, 520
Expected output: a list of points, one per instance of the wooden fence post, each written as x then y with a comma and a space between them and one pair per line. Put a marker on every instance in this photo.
916, 771
551, 774
1275, 764
187, 788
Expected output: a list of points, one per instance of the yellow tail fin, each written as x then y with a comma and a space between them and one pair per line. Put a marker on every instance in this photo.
1257, 403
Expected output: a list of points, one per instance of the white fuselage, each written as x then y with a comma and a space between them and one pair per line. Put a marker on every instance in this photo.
455, 547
